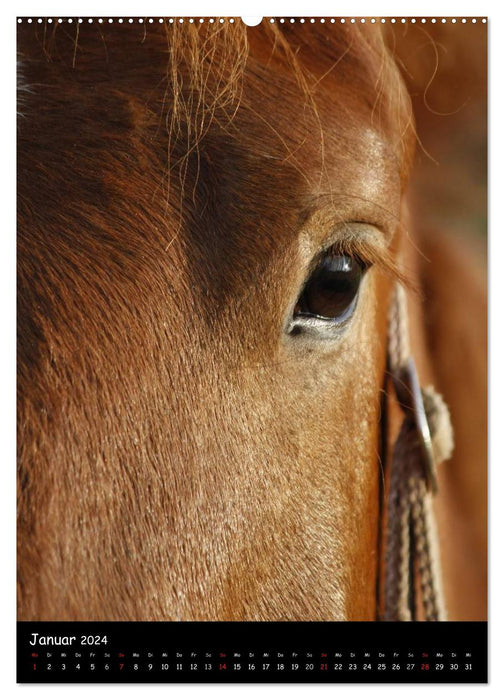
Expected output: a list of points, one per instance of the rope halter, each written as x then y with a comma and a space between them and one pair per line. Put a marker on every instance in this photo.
424, 440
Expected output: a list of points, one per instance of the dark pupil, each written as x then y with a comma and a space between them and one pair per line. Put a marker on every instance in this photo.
331, 290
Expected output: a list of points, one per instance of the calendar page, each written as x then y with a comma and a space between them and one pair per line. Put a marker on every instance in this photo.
252, 398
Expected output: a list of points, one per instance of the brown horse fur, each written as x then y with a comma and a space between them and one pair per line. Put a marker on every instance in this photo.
180, 455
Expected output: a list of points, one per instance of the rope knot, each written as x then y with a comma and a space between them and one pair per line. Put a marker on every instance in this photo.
440, 426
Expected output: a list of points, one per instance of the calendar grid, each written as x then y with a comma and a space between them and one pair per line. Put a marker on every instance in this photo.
252, 652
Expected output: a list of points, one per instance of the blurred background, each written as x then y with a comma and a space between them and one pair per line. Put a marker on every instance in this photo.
445, 68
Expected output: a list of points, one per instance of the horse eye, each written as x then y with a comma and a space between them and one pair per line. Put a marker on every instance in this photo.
331, 291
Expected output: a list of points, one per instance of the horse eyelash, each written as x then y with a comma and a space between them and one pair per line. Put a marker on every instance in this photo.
369, 255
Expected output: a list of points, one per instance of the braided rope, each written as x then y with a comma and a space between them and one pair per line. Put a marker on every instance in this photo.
411, 542
397, 584
398, 339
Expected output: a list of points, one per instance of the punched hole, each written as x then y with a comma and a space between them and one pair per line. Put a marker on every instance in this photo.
251, 21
